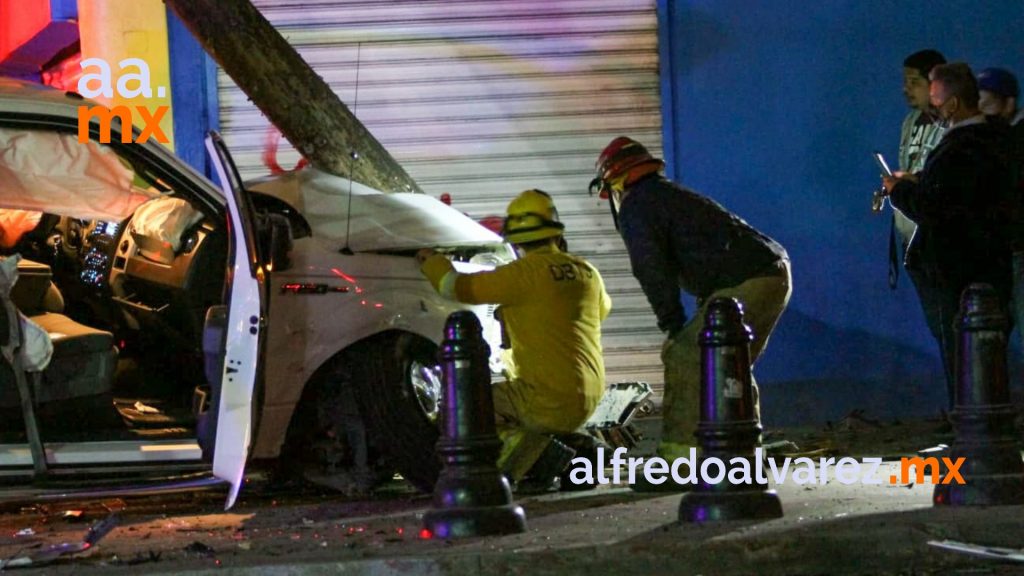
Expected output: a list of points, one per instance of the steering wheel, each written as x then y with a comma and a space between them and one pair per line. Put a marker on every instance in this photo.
65, 241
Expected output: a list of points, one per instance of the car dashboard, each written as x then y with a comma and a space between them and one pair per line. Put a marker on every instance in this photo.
163, 292
98, 254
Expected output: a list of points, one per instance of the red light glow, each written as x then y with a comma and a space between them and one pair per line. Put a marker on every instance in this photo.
341, 274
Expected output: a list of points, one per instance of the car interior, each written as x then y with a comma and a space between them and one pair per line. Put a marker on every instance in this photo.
124, 302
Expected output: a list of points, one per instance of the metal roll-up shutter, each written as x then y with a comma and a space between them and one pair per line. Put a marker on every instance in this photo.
482, 99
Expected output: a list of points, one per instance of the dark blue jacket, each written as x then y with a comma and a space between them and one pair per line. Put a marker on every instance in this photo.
679, 239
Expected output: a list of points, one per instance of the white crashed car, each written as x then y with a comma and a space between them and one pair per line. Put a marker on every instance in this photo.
195, 329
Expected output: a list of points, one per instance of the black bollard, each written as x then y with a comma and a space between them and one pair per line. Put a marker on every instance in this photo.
983, 417
472, 497
728, 427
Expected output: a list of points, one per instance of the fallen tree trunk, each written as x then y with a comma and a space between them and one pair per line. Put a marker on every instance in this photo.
290, 93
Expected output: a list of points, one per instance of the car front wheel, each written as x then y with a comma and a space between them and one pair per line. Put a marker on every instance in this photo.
397, 383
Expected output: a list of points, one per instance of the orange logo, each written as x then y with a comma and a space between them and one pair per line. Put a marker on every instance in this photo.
105, 116
921, 467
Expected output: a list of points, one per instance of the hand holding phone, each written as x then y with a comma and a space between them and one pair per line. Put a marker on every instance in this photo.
878, 198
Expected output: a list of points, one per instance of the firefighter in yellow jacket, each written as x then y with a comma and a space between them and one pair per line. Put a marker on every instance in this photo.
552, 304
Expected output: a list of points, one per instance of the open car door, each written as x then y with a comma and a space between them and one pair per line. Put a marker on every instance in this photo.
245, 319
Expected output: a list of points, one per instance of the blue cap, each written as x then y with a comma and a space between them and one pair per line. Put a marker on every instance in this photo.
998, 81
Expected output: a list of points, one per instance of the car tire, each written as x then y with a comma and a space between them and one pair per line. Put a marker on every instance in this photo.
396, 414
327, 435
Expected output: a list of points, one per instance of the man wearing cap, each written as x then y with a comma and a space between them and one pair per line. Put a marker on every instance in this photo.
680, 240
552, 304
998, 95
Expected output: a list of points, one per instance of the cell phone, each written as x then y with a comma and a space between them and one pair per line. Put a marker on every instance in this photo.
882, 165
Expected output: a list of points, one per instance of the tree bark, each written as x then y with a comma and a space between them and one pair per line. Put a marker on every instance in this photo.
290, 93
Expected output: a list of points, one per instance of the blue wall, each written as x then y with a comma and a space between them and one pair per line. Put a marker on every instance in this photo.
193, 93
63, 9
773, 109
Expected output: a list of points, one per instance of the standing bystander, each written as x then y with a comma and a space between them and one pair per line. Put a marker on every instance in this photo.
959, 203
998, 95
919, 133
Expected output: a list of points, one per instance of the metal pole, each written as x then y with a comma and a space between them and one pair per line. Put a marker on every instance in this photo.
983, 418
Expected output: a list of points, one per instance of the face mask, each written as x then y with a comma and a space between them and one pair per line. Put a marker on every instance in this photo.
944, 120
618, 197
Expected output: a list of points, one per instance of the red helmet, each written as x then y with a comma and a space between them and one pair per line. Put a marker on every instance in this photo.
624, 156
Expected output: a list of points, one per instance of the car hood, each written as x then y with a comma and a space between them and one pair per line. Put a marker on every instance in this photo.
379, 221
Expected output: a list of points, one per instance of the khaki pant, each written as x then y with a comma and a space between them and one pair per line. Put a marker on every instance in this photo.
764, 299
523, 438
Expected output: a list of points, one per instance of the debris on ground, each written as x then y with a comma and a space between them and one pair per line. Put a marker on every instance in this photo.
858, 435
200, 549
353, 483
787, 449
779, 447
992, 552
139, 558
934, 450
145, 409
51, 553
855, 421
77, 510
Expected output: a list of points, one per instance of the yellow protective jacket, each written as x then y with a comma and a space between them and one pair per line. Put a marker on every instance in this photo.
552, 305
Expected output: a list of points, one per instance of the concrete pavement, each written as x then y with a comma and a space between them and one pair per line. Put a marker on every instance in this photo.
827, 529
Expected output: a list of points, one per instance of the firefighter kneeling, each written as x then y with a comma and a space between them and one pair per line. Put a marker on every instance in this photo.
552, 304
